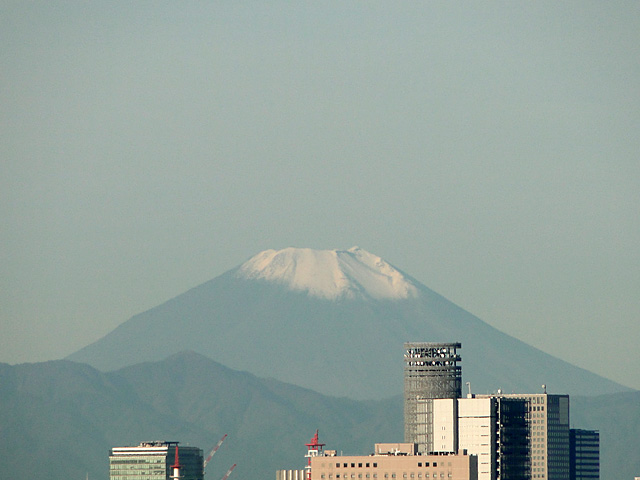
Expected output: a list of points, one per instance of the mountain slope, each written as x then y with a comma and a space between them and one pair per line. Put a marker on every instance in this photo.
334, 322
268, 421
58, 420
617, 417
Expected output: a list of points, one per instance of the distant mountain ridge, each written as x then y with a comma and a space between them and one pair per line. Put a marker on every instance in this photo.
317, 319
59, 419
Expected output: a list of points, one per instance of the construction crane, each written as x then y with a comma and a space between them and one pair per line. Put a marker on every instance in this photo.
226, 475
213, 452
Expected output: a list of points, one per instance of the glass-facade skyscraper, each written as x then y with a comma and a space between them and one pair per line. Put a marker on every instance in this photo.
153, 461
585, 454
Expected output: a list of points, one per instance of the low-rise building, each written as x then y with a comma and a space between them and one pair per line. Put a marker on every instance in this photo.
392, 461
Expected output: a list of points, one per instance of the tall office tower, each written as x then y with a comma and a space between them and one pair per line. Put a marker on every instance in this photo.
549, 433
497, 431
155, 461
585, 454
431, 371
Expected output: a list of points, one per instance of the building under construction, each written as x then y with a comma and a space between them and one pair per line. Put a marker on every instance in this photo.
431, 371
439, 422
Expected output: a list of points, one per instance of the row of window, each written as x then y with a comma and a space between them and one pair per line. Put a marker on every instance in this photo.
387, 475
116, 462
138, 472
375, 464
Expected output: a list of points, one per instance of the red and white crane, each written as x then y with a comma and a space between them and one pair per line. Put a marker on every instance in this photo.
226, 475
213, 452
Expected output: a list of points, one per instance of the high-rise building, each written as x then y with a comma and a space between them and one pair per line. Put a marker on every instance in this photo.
431, 371
585, 454
496, 430
549, 434
156, 461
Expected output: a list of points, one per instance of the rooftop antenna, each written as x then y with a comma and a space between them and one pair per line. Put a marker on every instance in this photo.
544, 388
469, 387
314, 450
176, 467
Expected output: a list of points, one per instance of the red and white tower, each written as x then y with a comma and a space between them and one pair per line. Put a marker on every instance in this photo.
176, 467
314, 449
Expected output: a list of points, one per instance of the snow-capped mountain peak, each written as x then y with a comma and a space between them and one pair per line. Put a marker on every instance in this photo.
330, 274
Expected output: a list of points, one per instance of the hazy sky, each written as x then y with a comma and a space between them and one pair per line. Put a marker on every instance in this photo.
489, 149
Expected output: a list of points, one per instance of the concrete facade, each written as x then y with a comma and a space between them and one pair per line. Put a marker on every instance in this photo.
290, 475
496, 430
398, 462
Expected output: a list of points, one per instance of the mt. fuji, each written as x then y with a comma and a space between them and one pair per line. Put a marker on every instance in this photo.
330, 274
334, 321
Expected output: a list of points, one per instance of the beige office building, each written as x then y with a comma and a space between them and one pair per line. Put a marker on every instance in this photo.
393, 461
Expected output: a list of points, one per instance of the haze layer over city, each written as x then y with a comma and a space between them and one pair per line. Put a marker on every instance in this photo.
489, 150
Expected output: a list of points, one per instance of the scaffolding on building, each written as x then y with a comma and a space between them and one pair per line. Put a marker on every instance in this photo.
431, 371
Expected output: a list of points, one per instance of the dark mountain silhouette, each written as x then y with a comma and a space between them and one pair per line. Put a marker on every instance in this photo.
59, 419
332, 321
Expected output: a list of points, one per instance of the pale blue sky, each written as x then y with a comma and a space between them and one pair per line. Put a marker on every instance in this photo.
489, 149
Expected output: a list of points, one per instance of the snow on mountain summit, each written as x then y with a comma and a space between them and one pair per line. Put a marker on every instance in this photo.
330, 274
